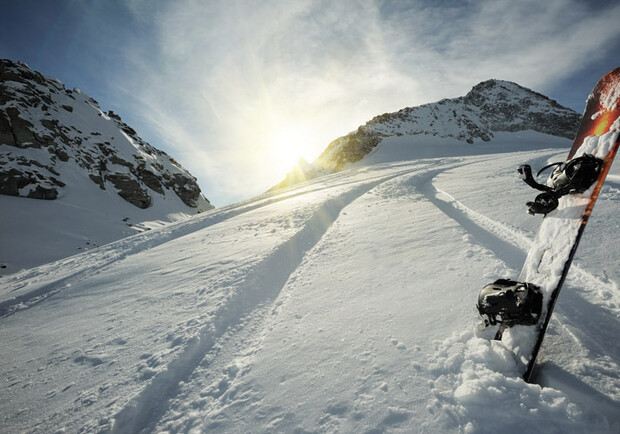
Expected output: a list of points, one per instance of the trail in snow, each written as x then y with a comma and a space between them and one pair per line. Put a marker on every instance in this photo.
48, 280
578, 307
494, 239
344, 306
228, 390
260, 287
228, 393
162, 381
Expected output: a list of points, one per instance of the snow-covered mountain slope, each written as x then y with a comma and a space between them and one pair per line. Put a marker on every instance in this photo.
343, 305
487, 115
100, 179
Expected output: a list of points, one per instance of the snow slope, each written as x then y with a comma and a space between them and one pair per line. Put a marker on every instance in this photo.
345, 304
101, 181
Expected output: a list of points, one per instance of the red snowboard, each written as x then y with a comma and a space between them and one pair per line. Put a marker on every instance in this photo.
554, 246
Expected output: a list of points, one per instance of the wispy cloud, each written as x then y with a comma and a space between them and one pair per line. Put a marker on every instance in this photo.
225, 74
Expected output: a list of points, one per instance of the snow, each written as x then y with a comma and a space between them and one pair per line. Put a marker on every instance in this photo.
345, 304
84, 215
609, 97
36, 231
599, 146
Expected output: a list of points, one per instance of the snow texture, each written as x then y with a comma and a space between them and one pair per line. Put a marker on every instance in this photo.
345, 304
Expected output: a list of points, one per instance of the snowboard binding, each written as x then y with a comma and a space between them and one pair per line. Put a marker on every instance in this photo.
570, 177
510, 303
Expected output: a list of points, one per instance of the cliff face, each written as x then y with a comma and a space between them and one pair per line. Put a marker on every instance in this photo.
51, 137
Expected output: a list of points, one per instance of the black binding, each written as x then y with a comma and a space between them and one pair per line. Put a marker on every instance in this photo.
570, 177
510, 303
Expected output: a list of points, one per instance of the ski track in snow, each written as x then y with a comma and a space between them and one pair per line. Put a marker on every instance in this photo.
492, 235
220, 350
598, 344
144, 411
228, 359
216, 374
511, 246
80, 267
507, 243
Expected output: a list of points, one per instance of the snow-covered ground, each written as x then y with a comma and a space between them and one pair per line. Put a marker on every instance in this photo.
35, 232
343, 305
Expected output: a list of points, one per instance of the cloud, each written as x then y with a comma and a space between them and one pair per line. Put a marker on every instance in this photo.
530, 42
222, 75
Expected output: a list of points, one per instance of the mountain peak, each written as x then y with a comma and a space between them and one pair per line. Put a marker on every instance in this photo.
494, 83
100, 180
490, 107
47, 128
494, 90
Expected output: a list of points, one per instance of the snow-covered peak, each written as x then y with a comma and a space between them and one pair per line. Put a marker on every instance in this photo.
507, 106
99, 179
490, 109
493, 89
46, 128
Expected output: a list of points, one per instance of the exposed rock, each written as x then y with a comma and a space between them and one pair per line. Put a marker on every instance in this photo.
58, 152
510, 107
186, 188
97, 179
6, 133
153, 181
21, 129
120, 162
43, 193
111, 151
12, 181
302, 171
352, 148
130, 190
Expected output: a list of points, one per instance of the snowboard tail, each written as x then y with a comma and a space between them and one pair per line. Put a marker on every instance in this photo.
557, 239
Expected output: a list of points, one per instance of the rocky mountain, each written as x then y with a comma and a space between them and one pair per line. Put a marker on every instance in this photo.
98, 179
490, 108
45, 127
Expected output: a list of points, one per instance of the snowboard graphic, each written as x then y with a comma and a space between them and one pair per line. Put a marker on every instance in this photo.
523, 308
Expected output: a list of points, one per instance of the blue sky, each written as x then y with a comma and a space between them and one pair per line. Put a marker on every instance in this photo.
237, 90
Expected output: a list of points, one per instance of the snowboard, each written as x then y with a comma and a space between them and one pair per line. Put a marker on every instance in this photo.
556, 241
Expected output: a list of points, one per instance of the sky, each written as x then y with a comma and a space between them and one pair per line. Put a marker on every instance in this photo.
238, 90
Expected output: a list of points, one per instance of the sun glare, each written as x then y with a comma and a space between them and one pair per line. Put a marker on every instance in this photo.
288, 144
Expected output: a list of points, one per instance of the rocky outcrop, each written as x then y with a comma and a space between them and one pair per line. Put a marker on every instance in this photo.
506, 106
352, 148
48, 132
130, 190
17, 174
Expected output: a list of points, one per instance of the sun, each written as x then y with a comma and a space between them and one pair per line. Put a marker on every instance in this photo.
288, 144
